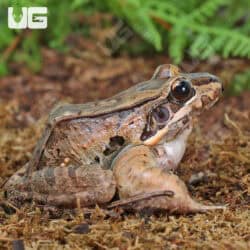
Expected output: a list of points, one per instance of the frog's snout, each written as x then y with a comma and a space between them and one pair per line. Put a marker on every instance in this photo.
207, 81
215, 79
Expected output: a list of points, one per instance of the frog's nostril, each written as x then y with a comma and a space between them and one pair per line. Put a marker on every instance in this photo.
213, 78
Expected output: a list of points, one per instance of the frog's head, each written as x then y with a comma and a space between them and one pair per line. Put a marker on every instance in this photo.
183, 95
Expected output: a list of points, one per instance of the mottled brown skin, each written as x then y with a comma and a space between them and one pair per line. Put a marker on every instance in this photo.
125, 144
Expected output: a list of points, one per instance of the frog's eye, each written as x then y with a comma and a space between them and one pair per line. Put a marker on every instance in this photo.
161, 114
182, 90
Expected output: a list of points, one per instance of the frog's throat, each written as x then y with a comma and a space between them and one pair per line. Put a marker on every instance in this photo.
154, 140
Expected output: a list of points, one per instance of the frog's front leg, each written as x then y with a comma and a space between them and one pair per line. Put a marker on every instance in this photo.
65, 187
136, 170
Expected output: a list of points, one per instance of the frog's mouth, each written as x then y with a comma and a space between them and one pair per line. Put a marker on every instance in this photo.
180, 121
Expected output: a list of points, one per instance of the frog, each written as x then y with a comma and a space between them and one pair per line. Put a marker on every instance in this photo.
122, 148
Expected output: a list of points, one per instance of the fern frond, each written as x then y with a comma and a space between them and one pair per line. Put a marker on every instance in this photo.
165, 6
177, 43
199, 44
209, 39
139, 18
206, 10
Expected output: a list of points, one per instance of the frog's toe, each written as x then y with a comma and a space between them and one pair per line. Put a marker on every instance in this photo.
197, 207
191, 206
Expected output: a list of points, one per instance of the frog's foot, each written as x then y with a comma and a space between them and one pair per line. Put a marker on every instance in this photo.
66, 187
136, 173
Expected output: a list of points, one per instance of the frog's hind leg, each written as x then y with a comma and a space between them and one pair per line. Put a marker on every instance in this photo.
137, 173
69, 187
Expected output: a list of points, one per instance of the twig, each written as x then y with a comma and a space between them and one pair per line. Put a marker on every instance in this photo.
229, 123
162, 22
6, 54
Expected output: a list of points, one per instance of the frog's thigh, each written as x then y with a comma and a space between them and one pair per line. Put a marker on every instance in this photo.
136, 172
71, 185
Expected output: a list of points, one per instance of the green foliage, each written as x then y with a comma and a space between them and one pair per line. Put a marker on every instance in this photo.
240, 82
193, 28
199, 29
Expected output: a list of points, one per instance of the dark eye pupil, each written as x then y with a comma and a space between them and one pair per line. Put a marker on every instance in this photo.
182, 90
161, 114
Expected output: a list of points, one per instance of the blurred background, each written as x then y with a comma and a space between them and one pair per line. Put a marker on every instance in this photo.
84, 34
93, 49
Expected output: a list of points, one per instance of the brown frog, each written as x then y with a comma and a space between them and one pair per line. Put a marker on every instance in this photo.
129, 144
